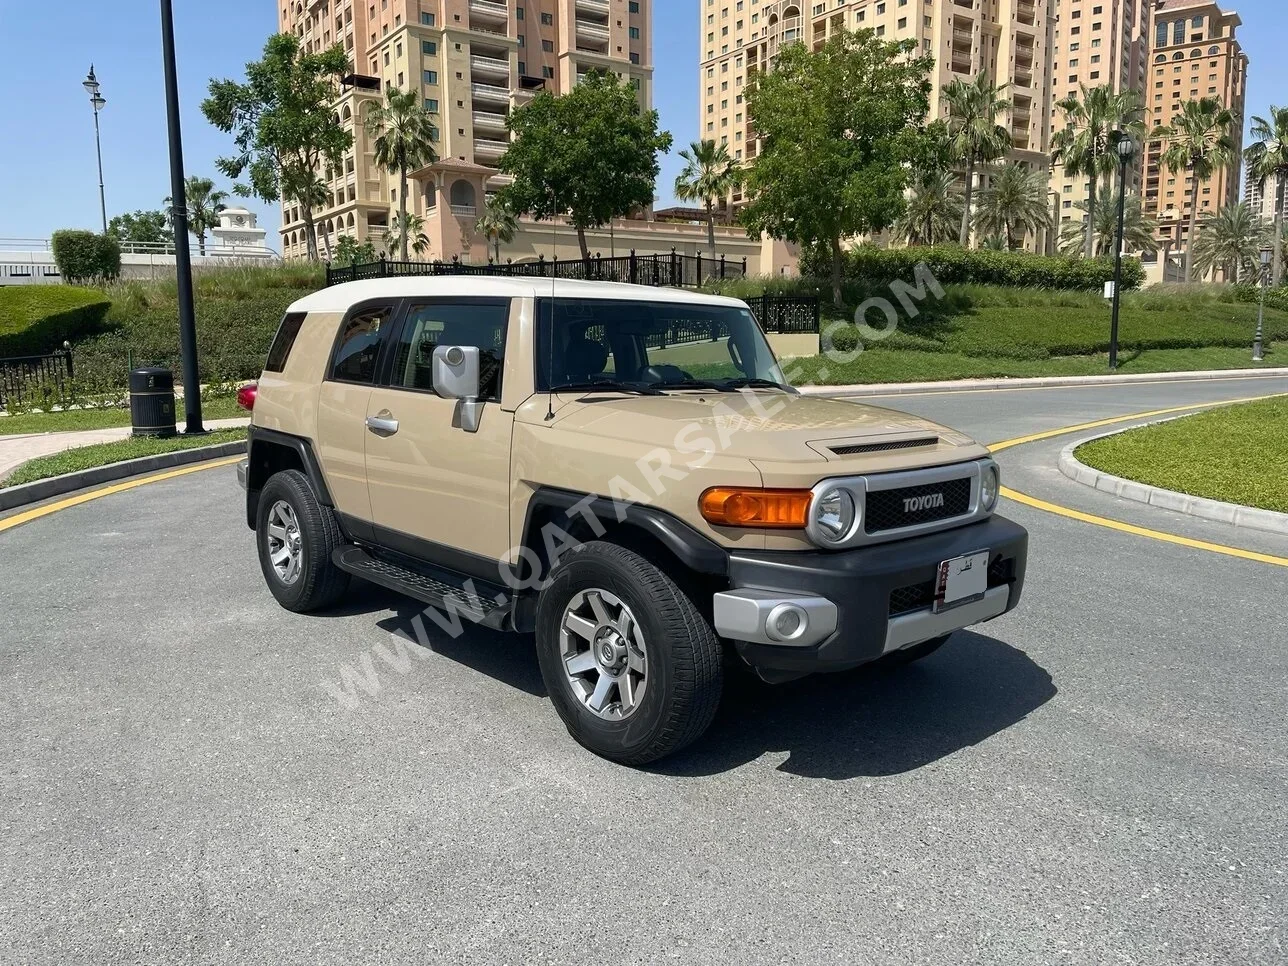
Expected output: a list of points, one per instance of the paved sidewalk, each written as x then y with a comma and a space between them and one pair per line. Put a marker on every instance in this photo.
16, 450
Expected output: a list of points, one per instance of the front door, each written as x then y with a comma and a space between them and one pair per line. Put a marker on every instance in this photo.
437, 491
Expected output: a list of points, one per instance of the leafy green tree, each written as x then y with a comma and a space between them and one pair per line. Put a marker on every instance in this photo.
1268, 158
404, 140
283, 126
934, 209
348, 251
976, 136
591, 153
204, 206
497, 224
1231, 240
1094, 119
1138, 231
839, 130
1198, 140
146, 227
709, 174
1014, 204
409, 228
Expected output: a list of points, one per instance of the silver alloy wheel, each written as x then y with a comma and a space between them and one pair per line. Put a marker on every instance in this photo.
602, 648
284, 548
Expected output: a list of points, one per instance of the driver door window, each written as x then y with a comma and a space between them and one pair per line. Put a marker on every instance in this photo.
473, 322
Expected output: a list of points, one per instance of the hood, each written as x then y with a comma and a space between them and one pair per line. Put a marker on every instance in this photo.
769, 426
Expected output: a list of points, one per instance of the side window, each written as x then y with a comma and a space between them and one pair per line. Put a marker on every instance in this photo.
358, 347
469, 322
284, 341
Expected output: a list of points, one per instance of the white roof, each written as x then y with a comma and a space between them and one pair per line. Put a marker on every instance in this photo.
339, 298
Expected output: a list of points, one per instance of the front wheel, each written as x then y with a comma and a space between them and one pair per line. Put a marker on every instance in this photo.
630, 664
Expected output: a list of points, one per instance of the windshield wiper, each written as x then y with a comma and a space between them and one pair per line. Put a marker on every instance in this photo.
694, 384
744, 383
639, 389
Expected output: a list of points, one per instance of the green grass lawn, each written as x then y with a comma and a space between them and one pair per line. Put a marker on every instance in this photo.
1237, 454
101, 454
104, 418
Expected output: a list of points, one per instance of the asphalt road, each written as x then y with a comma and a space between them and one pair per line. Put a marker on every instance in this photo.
1100, 777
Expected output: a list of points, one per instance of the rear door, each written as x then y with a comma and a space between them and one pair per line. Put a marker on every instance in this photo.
343, 400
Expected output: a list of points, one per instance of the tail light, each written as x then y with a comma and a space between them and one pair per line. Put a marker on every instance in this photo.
246, 396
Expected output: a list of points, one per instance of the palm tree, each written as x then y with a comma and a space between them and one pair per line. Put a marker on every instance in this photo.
1231, 241
709, 174
934, 209
1138, 231
1268, 159
404, 140
1198, 139
204, 206
1095, 118
497, 224
309, 191
409, 228
976, 136
1015, 202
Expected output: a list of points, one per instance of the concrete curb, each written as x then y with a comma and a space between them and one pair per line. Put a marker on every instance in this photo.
16, 496
1251, 518
1037, 382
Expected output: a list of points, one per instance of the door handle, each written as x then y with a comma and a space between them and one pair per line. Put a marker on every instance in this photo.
382, 425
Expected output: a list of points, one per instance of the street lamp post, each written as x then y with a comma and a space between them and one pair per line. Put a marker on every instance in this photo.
1125, 147
1266, 254
98, 102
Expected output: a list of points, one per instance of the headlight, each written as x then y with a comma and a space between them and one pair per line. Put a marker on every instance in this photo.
989, 484
834, 515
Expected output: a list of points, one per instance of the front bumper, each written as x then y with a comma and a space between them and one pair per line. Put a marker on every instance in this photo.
860, 604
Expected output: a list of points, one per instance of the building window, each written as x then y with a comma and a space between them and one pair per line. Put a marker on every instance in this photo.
431, 105
635, 58
431, 77
633, 6
547, 19
547, 73
429, 48
427, 19
548, 46
518, 13
635, 33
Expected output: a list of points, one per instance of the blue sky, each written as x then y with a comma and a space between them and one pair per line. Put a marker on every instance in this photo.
48, 178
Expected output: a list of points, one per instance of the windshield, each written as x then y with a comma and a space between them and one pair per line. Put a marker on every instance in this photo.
652, 344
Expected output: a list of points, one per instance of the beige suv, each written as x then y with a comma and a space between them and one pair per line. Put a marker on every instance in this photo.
622, 471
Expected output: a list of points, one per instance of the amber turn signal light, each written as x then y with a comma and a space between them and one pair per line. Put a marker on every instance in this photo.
727, 506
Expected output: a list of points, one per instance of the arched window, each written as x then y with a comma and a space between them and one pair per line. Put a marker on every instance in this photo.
348, 112
431, 196
1160, 59
349, 222
1179, 55
1196, 53
1213, 51
463, 195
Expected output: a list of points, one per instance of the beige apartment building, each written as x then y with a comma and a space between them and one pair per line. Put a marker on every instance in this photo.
1265, 200
1194, 53
472, 61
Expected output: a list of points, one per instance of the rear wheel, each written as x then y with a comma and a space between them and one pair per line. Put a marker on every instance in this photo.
296, 536
631, 666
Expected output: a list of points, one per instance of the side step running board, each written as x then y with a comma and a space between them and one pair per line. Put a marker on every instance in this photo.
474, 600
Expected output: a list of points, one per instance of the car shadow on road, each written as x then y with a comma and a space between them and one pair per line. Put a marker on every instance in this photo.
873, 721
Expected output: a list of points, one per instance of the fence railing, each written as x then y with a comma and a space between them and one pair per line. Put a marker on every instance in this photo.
670, 269
35, 380
786, 314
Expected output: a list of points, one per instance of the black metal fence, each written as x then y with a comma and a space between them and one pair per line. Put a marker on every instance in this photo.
786, 314
35, 380
671, 269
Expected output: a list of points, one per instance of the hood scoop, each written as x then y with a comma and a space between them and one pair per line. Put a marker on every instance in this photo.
855, 449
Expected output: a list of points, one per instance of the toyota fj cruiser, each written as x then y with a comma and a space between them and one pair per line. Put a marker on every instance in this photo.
624, 472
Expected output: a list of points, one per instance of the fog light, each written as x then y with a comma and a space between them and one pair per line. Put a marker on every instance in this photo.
786, 622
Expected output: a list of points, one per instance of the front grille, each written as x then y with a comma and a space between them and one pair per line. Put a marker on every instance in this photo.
857, 448
904, 600
887, 509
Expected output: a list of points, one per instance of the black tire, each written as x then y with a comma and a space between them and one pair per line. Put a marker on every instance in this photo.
683, 656
320, 583
918, 651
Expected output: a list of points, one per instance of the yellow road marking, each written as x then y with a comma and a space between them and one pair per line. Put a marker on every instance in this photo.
1252, 373
1072, 514
43, 511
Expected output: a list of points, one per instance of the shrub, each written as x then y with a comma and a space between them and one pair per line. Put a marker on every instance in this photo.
37, 319
951, 264
83, 256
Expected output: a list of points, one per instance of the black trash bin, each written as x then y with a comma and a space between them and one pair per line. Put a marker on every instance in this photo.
152, 402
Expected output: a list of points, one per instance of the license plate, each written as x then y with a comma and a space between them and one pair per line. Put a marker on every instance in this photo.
961, 580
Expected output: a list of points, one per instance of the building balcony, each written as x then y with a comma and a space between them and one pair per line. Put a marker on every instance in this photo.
490, 10
487, 121
490, 93
491, 66
1025, 13
1022, 78
591, 30
464, 211
595, 7
488, 150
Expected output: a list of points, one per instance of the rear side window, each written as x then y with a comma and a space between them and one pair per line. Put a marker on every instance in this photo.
358, 347
284, 340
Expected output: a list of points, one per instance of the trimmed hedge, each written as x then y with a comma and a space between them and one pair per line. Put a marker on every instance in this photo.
84, 256
37, 319
951, 264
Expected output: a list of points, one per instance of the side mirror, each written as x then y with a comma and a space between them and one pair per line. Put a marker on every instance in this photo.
456, 376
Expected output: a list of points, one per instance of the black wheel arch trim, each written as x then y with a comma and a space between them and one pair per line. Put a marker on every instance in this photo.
258, 438
696, 551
